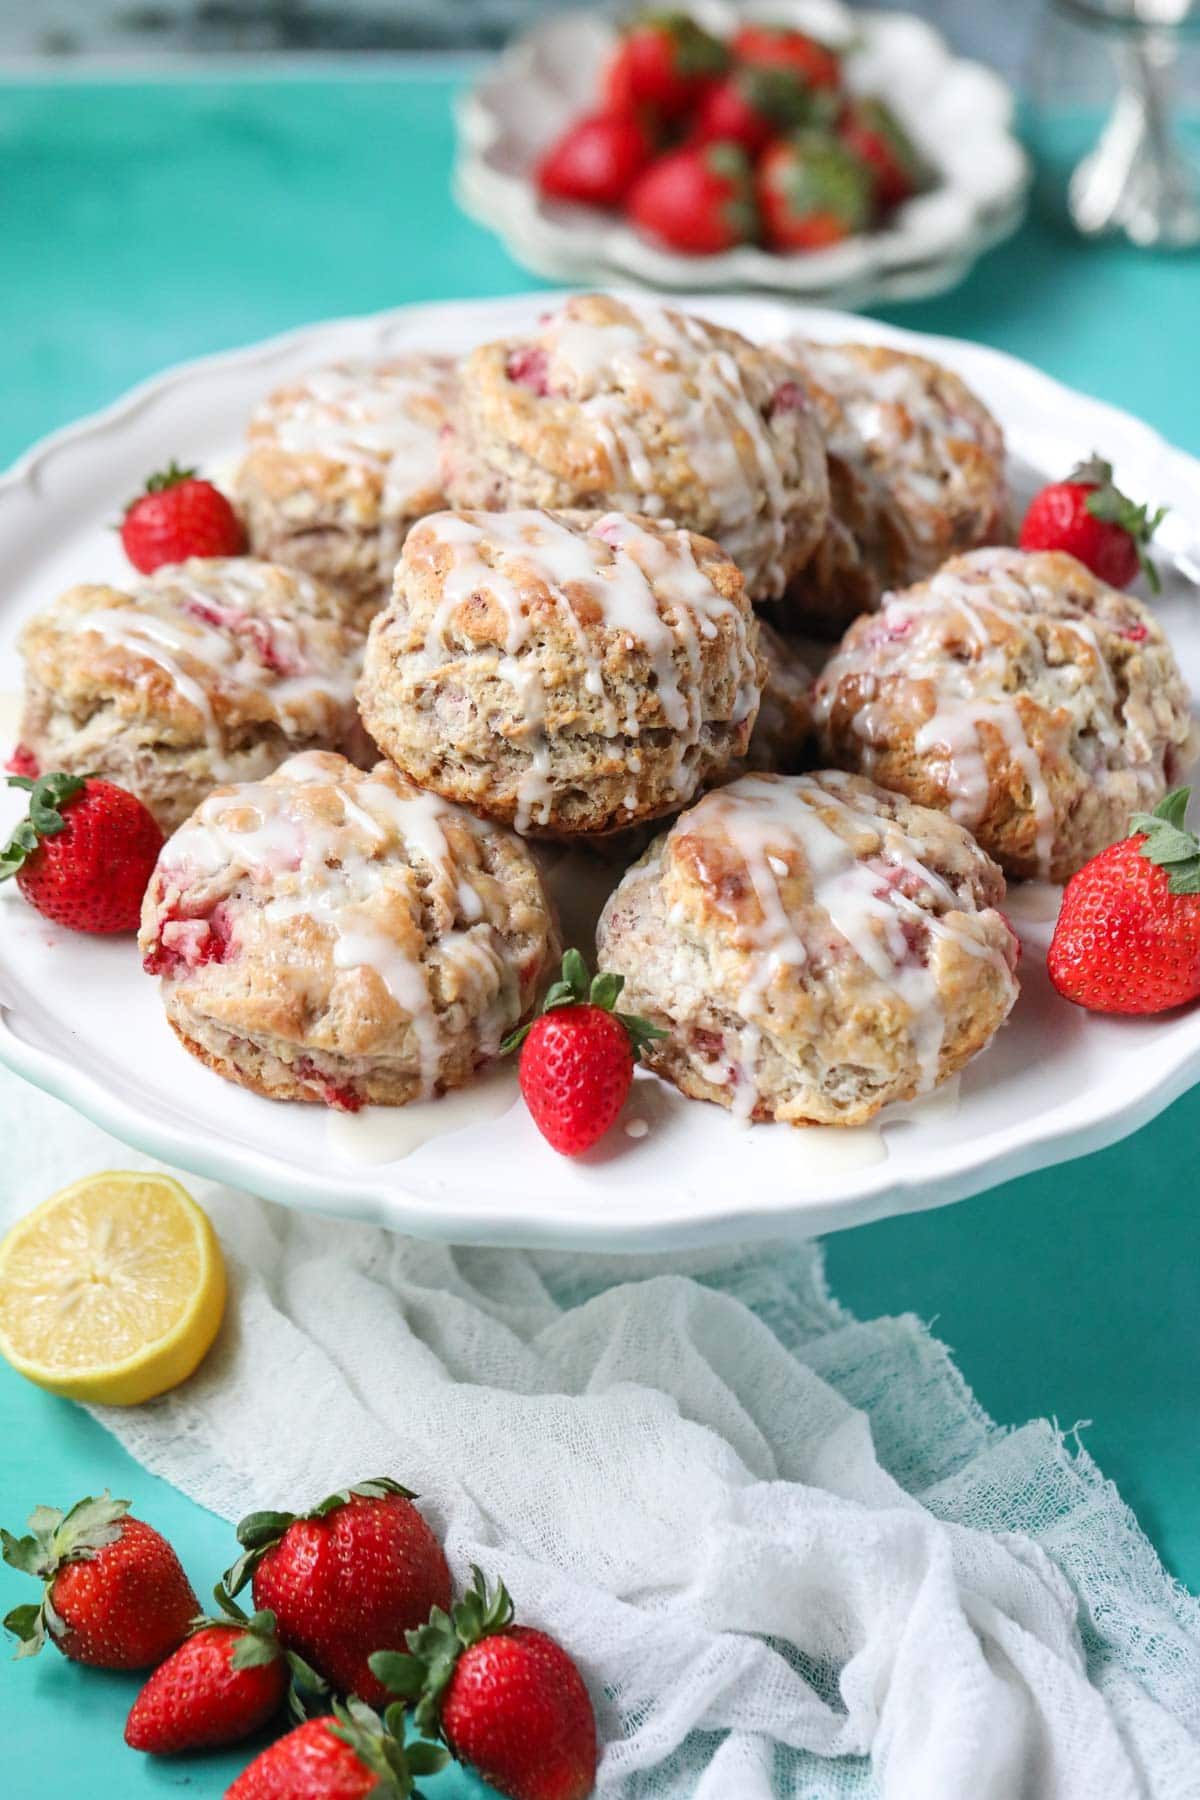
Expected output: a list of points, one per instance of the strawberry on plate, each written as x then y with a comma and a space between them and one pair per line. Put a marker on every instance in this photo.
811, 192
350, 1577
1089, 517
780, 47
698, 200
355, 1755
662, 62
504, 1697
114, 1592
179, 515
222, 1684
1128, 933
751, 106
870, 129
84, 852
577, 1057
596, 160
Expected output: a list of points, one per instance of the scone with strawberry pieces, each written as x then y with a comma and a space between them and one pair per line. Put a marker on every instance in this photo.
206, 671
1037, 706
338, 936
916, 474
813, 946
609, 405
340, 463
566, 673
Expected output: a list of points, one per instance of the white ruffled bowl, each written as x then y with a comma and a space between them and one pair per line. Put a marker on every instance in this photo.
958, 113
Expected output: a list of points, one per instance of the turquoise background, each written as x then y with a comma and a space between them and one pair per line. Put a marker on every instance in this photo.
144, 223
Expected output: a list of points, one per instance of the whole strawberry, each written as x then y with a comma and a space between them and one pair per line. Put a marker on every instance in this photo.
577, 1057
762, 46
661, 64
1089, 517
179, 515
84, 853
1128, 933
871, 131
698, 200
811, 192
115, 1594
350, 1577
504, 1697
596, 160
350, 1756
222, 1684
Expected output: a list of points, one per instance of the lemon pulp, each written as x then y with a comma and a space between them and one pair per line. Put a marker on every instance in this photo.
112, 1290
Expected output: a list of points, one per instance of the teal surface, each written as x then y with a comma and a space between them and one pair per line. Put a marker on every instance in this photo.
141, 224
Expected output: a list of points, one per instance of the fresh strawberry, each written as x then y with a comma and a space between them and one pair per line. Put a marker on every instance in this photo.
84, 852
780, 47
662, 63
698, 199
221, 1685
871, 130
749, 107
353, 1755
1090, 518
504, 1697
596, 160
178, 516
1128, 933
350, 1577
577, 1057
811, 193
115, 1594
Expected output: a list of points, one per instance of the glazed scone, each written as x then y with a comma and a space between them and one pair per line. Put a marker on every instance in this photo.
1036, 705
563, 672
916, 474
206, 671
814, 946
338, 466
639, 409
336, 935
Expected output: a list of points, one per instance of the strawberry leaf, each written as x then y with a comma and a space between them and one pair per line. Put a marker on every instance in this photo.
1110, 505
574, 988
46, 796
1169, 843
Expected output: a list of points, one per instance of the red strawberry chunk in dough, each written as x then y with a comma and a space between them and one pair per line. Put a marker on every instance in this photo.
243, 624
23, 762
888, 628
530, 368
339, 1095
189, 943
789, 396
1136, 634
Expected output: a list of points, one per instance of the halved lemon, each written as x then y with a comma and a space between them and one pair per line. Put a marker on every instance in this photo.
112, 1290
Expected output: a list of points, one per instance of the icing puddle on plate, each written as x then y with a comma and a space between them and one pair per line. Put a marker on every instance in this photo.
383, 1134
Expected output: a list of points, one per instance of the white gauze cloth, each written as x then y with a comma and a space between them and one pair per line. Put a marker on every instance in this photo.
792, 1556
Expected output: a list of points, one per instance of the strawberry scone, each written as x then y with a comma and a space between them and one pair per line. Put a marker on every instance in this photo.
566, 673
206, 671
1037, 706
814, 947
338, 936
640, 409
916, 474
339, 464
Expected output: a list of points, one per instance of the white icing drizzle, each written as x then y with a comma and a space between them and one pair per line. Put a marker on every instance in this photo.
381, 417
203, 626
775, 826
648, 588
985, 596
323, 871
697, 386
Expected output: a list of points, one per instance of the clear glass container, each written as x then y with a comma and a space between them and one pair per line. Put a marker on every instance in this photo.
1115, 93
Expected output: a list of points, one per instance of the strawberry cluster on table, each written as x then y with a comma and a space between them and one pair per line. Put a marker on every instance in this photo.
353, 1626
707, 143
